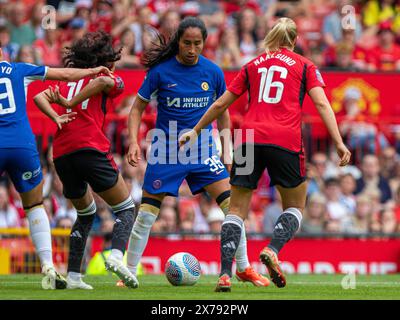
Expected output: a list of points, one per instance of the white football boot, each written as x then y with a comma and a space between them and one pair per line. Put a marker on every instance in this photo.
118, 267
52, 279
78, 284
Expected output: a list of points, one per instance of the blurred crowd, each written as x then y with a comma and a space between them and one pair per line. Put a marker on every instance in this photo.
353, 200
362, 198
341, 34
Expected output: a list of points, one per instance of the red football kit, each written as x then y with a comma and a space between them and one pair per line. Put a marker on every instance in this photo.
87, 130
277, 83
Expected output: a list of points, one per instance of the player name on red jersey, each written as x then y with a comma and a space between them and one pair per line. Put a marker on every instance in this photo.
284, 58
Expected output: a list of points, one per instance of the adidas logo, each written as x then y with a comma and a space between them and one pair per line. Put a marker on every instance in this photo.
279, 226
230, 245
76, 234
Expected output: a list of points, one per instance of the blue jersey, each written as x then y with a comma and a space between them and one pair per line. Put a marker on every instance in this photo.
15, 130
184, 93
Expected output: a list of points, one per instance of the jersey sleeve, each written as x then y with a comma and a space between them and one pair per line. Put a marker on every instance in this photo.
33, 72
314, 78
118, 88
239, 84
149, 85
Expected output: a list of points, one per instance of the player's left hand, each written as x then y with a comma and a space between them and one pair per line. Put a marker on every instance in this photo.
65, 118
189, 137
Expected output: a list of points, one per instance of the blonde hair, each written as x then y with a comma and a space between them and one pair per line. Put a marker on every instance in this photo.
283, 34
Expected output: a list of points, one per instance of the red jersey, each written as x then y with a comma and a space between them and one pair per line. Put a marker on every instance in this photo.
277, 84
87, 130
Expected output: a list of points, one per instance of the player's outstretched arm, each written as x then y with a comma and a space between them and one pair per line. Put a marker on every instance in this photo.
215, 111
73, 74
94, 87
43, 100
135, 116
323, 106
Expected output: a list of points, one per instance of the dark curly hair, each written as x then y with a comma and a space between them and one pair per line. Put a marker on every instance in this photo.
94, 49
164, 49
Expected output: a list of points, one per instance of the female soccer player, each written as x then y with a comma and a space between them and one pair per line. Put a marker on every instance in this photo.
277, 82
186, 84
19, 155
81, 153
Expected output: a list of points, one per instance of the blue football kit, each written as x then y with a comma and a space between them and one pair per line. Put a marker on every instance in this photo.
184, 93
18, 152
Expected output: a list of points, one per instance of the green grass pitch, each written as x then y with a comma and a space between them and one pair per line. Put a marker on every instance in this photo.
152, 287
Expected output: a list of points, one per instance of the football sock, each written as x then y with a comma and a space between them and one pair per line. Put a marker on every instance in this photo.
230, 237
242, 261
79, 234
39, 228
140, 236
124, 213
285, 228
117, 254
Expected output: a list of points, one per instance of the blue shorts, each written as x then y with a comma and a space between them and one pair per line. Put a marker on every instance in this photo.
167, 178
23, 167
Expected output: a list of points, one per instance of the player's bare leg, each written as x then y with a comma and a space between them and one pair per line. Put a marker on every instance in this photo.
121, 202
86, 208
231, 233
293, 203
221, 192
39, 228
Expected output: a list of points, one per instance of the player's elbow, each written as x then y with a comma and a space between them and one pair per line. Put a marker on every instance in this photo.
322, 105
220, 106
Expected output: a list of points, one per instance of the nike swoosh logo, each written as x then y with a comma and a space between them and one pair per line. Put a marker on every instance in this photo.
170, 85
218, 172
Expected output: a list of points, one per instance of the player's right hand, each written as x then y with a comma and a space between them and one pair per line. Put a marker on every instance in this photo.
189, 137
58, 98
343, 153
133, 155
102, 69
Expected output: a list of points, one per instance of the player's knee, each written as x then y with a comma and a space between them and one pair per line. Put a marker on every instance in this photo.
223, 200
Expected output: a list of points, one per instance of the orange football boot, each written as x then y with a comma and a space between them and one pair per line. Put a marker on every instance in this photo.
270, 259
250, 275
224, 284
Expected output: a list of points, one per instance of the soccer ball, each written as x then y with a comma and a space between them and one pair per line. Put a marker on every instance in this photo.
182, 269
